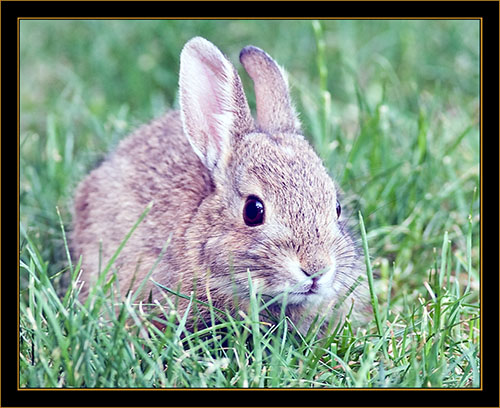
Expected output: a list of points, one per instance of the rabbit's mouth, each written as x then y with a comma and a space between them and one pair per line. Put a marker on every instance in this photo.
305, 293
311, 288
303, 298
307, 287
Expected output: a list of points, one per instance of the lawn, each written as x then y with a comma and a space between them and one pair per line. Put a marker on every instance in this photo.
392, 108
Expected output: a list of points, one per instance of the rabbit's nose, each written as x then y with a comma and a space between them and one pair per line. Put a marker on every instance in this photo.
314, 267
315, 275
312, 284
305, 272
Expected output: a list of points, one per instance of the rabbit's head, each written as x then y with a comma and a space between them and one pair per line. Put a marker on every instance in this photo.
274, 209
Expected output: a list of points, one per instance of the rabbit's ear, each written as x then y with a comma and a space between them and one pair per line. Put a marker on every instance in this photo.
214, 109
275, 111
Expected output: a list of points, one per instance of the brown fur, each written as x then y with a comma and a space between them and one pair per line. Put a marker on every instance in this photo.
198, 167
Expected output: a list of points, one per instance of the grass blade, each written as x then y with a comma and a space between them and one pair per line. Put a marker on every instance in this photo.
369, 274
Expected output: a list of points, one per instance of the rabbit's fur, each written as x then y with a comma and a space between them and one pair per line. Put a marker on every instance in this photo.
199, 166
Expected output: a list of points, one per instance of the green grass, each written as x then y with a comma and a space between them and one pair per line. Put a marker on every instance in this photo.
390, 106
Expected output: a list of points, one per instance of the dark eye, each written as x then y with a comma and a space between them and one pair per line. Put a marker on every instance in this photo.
253, 212
338, 208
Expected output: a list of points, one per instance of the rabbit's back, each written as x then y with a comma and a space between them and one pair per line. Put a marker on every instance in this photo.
155, 163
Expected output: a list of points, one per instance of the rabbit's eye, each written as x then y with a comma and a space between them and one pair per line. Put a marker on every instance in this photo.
339, 209
253, 212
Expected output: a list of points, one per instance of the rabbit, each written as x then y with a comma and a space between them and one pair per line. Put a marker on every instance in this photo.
236, 196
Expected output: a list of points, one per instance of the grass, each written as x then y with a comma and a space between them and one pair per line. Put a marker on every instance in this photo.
395, 121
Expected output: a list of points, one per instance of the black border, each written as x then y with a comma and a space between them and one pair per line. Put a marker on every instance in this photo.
10, 396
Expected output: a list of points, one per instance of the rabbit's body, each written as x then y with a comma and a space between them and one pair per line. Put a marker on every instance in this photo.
234, 195
111, 199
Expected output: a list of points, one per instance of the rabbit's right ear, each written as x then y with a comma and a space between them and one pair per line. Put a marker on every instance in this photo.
214, 109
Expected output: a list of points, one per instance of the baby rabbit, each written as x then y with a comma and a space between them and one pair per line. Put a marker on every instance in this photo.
234, 194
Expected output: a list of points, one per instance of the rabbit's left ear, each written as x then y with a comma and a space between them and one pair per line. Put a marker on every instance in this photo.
214, 109
275, 111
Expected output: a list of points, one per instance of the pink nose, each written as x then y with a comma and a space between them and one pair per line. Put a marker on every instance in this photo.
312, 284
315, 268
